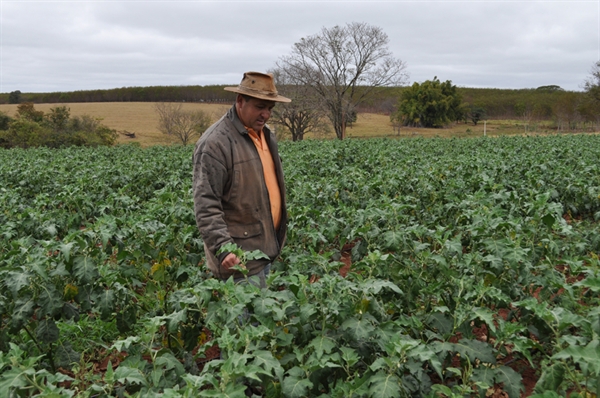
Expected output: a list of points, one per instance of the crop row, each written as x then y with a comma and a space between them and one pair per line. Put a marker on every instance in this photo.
412, 268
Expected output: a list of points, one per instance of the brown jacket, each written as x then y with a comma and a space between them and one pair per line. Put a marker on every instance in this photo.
231, 200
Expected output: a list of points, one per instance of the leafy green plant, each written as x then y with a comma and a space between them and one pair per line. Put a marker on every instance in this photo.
412, 268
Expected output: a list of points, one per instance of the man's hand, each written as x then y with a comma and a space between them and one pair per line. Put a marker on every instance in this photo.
230, 260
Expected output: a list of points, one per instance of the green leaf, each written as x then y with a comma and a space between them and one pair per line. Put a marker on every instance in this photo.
296, 385
109, 375
65, 249
392, 240
486, 316
424, 353
587, 358
484, 375
358, 328
168, 361
232, 390
256, 255
307, 311
15, 281
384, 386
349, 355
440, 321
591, 282
106, 303
85, 270
12, 379
374, 286
322, 345
175, 319
125, 374
50, 300
473, 349
511, 380
263, 305
22, 312
453, 246
549, 220
265, 360
121, 345
65, 356
47, 331
551, 378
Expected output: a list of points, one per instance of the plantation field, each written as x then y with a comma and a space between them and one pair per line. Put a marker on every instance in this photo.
422, 268
141, 118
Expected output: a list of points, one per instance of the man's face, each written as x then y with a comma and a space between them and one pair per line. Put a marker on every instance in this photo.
254, 112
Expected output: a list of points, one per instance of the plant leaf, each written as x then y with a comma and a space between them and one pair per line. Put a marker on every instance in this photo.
85, 269
384, 385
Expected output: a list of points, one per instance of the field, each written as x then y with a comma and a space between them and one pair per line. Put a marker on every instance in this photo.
140, 118
419, 267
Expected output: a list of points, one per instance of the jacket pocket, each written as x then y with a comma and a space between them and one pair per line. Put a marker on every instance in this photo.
245, 231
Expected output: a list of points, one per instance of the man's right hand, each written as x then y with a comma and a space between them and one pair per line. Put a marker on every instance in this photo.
230, 260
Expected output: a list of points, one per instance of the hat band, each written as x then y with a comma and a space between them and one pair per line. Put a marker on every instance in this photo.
273, 94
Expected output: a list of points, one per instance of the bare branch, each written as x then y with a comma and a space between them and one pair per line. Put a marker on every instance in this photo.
184, 125
338, 60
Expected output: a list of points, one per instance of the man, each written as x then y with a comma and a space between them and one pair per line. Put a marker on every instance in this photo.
239, 192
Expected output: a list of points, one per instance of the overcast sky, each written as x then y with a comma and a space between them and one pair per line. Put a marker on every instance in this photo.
72, 45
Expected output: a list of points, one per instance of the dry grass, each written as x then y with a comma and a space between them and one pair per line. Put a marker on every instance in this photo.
141, 118
376, 125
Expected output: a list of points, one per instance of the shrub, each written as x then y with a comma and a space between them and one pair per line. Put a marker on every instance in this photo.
4, 121
55, 129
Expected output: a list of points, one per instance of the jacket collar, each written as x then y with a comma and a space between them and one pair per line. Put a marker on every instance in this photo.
237, 123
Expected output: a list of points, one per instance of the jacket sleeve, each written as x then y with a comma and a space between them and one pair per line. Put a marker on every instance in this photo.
209, 183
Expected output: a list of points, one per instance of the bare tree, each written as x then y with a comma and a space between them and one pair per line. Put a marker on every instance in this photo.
305, 114
565, 110
592, 83
184, 125
344, 66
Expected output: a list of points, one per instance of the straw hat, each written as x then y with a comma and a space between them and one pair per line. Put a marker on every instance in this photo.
258, 85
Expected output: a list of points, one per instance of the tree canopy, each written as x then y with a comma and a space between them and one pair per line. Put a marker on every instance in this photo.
430, 104
337, 61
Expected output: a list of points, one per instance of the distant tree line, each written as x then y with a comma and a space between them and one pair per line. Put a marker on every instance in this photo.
567, 108
125, 94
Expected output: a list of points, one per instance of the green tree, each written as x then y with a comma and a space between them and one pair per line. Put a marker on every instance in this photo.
5, 121
344, 65
24, 133
55, 129
14, 97
27, 111
58, 118
551, 88
430, 104
476, 113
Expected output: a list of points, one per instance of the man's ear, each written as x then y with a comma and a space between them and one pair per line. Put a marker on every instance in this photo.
239, 100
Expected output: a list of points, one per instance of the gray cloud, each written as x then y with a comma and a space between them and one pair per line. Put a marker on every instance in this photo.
75, 45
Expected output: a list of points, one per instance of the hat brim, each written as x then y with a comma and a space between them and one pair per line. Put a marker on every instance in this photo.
254, 94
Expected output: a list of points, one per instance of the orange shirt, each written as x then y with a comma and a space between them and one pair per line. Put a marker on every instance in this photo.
270, 176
